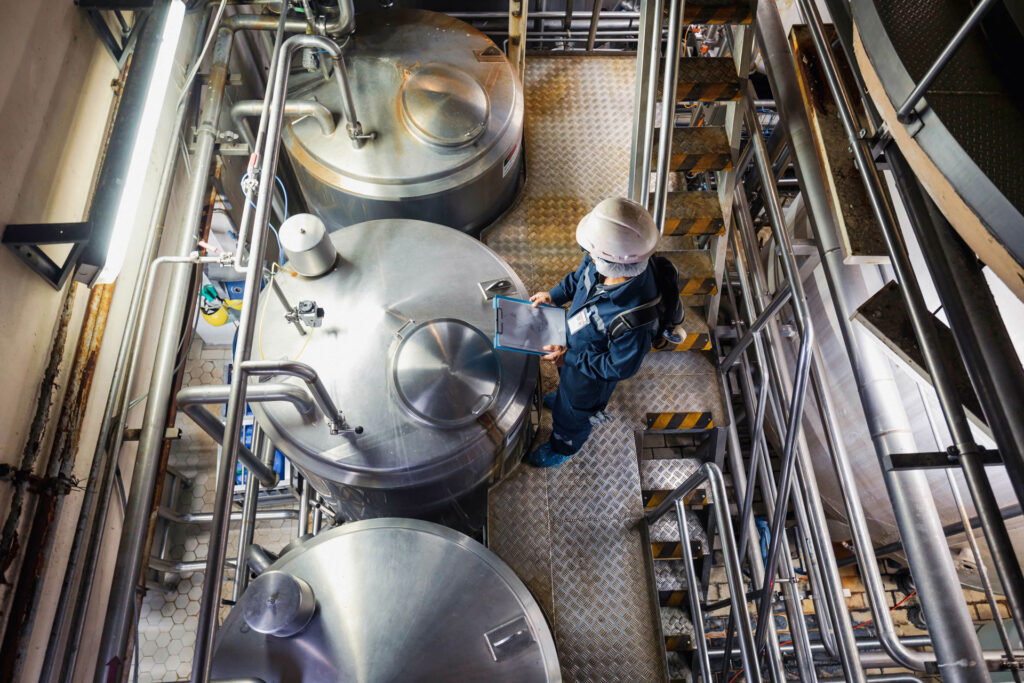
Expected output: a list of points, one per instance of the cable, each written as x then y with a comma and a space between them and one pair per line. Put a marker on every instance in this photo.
280, 183
202, 54
860, 625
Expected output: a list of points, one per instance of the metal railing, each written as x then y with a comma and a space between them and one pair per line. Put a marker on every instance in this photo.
710, 473
905, 114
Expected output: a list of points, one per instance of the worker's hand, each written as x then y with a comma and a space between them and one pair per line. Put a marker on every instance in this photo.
556, 355
542, 298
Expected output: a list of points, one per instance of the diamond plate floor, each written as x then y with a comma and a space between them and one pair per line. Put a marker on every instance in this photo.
571, 533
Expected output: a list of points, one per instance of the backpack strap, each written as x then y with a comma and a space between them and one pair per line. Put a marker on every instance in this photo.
644, 314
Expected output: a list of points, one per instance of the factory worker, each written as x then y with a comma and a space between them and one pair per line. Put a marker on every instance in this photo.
614, 278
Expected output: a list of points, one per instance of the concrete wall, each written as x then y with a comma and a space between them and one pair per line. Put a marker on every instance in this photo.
56, 96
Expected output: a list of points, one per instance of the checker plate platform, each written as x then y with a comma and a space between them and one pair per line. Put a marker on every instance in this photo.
572, 533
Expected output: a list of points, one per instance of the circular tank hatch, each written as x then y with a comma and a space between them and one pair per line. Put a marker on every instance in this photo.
444, 106
446, 373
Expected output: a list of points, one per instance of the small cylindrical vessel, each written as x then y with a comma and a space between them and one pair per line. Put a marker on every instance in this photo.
306, 245
405, 350
446, 110
395, 600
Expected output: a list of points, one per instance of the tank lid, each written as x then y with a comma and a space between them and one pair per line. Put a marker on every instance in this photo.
445, 106
446, 373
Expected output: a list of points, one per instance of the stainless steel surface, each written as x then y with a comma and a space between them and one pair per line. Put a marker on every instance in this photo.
396, 599
955, 640
645, 96
397, 279
668, 110
278, 604
446, 373
447, 111
306, 245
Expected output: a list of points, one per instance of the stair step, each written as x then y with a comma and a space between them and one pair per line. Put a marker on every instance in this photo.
679, 421
670, 576
665, 531
718, 12
678, 668
699, 149
676, 598
677, 627
694, 333
696, 274
672, 550
693, 213
707, 79
663, 474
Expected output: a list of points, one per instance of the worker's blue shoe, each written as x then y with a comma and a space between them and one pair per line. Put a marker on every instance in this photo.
549, 400
546, 457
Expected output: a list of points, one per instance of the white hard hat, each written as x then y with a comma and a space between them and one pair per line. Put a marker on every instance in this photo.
618, 230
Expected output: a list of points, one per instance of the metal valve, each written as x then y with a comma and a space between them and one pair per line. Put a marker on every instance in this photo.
307, 313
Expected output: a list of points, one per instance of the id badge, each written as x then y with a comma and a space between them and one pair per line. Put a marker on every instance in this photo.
578, 321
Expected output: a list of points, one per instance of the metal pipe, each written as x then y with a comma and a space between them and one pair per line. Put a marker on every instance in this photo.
318, 515
210, 600
258, 559
668, 111
920, 319
803, 319
121, 604
335, 418
304, 508
938, 587
755, 327
904, 113
692, 594
968, 303
595, 15
99, 485
740, 483
265, 451
207, 517
166, 566
292, 109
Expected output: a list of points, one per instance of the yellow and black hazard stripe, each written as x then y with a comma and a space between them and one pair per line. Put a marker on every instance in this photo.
672, 598
681, 643
737, 13
657, 422
653, 499
670, 550
703, 91
695, 286
705, 225
699, 163
691, 342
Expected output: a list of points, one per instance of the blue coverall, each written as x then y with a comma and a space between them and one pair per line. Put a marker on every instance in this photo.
593, 363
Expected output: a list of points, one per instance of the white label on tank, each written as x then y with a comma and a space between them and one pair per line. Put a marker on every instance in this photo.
510, 159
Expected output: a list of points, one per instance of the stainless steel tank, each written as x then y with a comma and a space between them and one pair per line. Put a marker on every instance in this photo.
405, 351
387, 600
447, 111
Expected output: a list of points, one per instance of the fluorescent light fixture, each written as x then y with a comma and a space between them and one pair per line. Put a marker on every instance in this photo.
128, 207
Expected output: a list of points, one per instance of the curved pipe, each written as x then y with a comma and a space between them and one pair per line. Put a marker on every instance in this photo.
342, 24
335, 418
258, 559
192, 399
293, 108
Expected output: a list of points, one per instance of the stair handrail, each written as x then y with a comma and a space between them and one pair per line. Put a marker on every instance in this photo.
709, 472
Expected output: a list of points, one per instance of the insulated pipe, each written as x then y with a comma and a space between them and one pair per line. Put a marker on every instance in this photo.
957, 647
668, 110
210, 601
292, 109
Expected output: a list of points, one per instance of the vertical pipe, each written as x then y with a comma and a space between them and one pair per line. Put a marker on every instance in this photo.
121, 603
969, 315
956, 644
668, 110
644, 97
595, 16
304, 508
249, 504
210, 601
